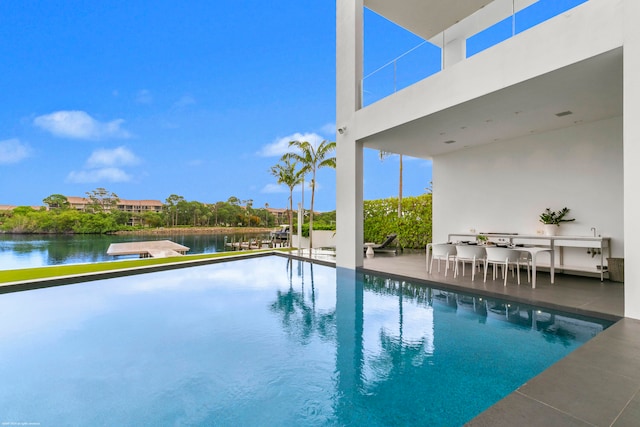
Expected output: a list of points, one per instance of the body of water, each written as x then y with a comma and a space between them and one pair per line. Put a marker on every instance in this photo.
272, 342
25, 251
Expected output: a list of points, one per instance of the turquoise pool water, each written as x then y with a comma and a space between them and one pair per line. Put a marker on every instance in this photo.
267, 342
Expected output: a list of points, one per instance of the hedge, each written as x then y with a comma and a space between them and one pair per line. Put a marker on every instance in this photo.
413, 228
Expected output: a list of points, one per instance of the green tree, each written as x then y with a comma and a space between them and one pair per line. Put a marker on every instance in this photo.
196, 211
101, 200
312, 158
152, 219
384, 155
171, 208
248, 211
285, 173
56, 201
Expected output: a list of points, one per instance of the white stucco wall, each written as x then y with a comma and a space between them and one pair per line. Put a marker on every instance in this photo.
321, 239
349, 152
631, 156
504, 186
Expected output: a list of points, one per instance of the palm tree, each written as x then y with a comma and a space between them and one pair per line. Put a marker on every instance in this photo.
312, 159
286, 173
384, 155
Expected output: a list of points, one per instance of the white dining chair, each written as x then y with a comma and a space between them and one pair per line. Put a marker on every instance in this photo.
525, 259
503, 257
442, 251
473, 254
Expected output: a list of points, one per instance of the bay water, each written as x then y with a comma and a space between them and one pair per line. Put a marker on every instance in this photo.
32, 250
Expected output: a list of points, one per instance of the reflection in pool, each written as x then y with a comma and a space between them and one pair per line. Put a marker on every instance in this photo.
267, 341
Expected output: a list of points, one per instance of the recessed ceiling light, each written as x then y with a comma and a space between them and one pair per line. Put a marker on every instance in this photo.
451, 141
564, 113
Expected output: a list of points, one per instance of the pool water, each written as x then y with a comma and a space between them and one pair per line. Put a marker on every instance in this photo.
268, 341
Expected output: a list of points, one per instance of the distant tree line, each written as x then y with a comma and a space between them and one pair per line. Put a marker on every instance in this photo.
100, 215
380, 218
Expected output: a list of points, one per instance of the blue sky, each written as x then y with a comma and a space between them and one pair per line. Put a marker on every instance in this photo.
197, 98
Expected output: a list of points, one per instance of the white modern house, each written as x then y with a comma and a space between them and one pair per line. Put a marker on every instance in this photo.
547, 118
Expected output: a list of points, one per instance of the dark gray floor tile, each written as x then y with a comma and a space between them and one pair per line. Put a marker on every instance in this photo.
626, 329
582, 390
611, 354
630, 417
519, 410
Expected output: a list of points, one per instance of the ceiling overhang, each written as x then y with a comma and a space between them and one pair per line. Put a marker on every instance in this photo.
425, 18
589, 90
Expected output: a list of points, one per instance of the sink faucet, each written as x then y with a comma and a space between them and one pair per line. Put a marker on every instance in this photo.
594, 231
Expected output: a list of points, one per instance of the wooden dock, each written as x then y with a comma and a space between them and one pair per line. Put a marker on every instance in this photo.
150, 249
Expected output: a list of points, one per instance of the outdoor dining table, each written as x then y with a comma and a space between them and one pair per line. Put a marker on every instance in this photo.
533, 250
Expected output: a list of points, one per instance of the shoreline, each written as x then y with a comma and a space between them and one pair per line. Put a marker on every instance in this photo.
196, 230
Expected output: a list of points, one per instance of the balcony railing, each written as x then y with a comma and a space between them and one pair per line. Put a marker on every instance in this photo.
458, 43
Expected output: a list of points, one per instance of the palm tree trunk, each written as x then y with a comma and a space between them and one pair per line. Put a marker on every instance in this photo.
290, 236
400, 190
313, 194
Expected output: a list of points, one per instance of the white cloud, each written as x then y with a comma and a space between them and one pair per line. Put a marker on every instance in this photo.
274, 189
281, 145
195, 162
104, 165
80, 125
13, 151
120, 156
184, 101
329, 129
144, 97
98, 175
281, 188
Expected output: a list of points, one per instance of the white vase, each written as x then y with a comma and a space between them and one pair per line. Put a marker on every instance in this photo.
550, 229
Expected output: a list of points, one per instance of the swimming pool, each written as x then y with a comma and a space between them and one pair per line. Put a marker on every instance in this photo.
268, 341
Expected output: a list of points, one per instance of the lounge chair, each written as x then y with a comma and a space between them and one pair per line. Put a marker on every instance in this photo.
383, 247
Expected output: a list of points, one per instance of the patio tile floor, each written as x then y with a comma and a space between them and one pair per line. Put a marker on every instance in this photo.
596, 385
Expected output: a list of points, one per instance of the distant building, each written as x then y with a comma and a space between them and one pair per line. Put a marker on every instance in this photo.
281, 215
124, 205
135, 206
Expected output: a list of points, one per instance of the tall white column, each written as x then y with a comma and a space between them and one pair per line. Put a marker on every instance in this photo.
631, 151
349, 152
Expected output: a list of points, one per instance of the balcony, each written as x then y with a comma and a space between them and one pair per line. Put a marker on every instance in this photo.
491, 25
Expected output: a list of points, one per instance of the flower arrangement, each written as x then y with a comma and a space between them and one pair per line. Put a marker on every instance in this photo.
555, 217
481, 238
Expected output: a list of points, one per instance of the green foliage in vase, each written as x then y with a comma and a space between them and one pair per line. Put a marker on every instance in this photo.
555, 217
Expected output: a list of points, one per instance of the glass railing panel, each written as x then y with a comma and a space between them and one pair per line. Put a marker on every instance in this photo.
493, 35
524, 19
403, 71
378, 85
541, 11
417, 65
